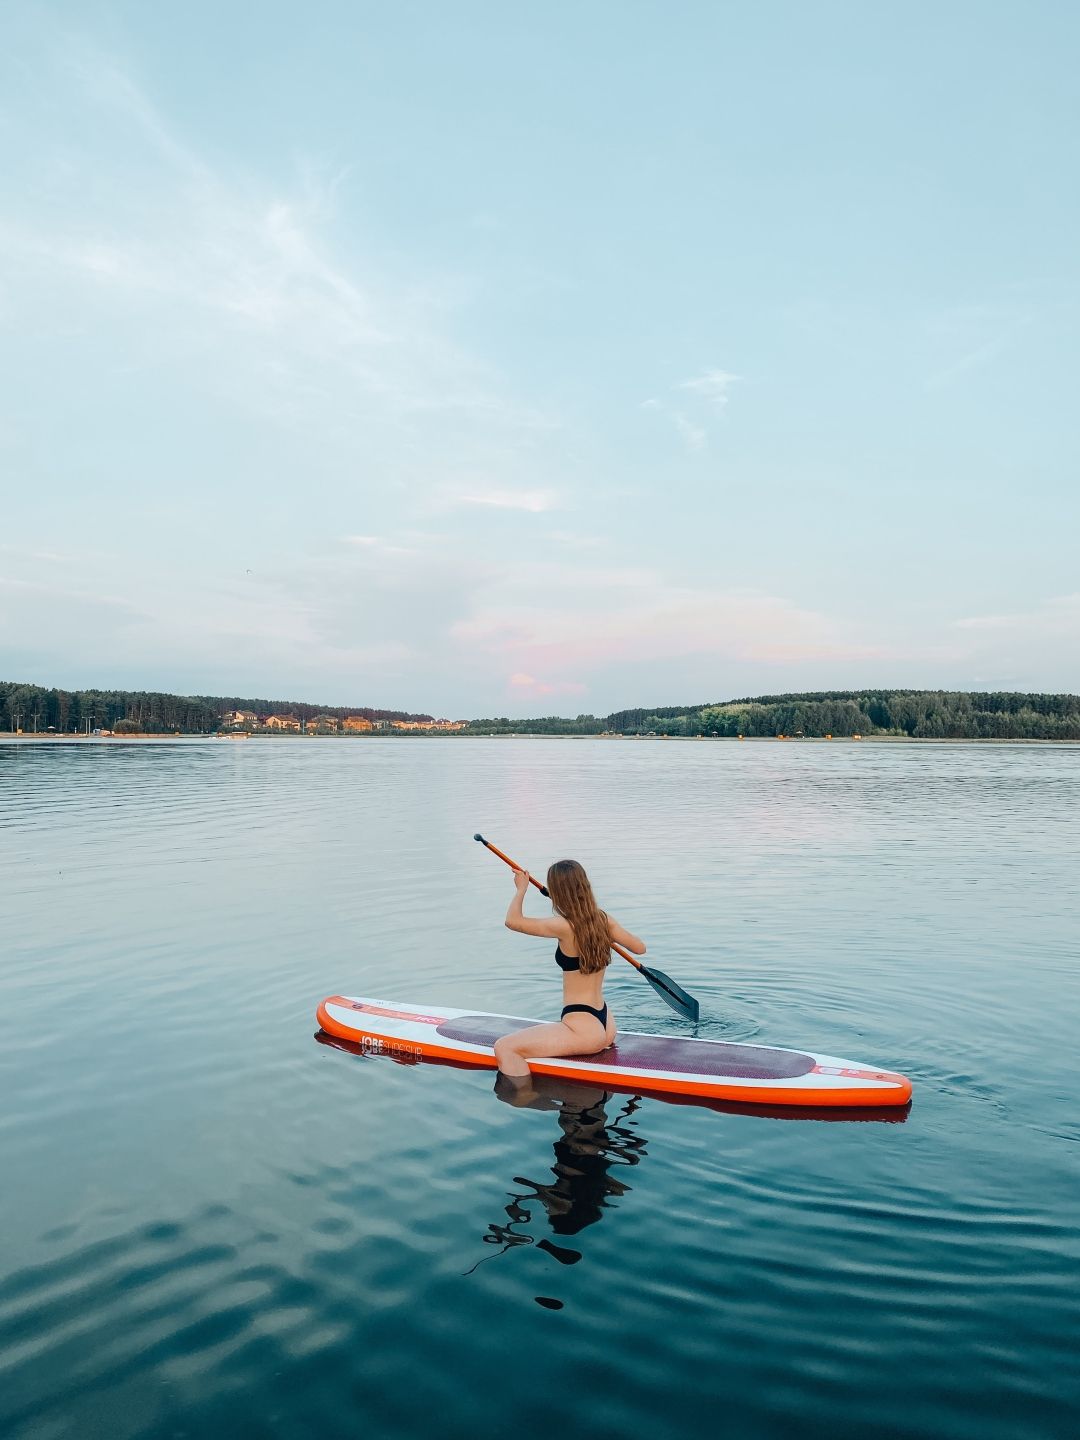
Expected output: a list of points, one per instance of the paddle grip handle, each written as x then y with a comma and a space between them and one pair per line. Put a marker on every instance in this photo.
512, 863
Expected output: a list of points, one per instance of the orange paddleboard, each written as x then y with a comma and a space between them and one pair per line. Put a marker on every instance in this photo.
656, 1064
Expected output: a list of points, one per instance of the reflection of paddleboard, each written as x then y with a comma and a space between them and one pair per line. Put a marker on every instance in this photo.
661, 1064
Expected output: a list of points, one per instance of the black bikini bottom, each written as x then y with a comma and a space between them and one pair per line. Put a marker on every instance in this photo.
600, 1014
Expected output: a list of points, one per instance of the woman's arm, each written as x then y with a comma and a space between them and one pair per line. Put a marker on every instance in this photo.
623, 937
555, 929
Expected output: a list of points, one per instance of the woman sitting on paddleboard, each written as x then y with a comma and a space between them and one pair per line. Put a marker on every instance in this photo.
583, 952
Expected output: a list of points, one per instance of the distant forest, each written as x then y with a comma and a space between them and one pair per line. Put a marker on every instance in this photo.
917, 714
32, 708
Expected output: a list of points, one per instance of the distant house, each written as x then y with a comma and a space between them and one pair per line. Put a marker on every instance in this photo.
428, 724
240, 717
356, 722
322, 722
282, 722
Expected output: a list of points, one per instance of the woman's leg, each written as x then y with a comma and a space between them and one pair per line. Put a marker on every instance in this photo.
582, 1037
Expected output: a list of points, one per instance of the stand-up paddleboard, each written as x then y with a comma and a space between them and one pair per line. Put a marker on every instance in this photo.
661, 1064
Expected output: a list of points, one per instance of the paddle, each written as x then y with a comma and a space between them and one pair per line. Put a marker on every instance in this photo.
663, 984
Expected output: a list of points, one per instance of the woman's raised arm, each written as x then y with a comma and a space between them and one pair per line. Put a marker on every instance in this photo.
555, 928
625, 938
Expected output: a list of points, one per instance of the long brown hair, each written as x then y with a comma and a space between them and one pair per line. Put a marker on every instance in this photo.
573, 899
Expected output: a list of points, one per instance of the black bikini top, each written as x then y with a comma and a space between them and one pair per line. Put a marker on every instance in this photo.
566, 962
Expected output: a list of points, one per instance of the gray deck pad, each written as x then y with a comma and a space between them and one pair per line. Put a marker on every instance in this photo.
634, 1053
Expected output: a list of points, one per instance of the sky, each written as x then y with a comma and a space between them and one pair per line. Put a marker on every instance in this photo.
482, 359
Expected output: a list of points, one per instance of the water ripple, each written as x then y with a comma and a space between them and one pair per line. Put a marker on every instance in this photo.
216, 1225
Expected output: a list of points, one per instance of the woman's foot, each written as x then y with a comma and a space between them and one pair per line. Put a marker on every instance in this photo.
521, 1092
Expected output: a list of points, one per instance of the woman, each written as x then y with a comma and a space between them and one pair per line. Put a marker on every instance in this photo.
583, 952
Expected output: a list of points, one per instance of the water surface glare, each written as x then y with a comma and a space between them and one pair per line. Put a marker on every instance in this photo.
212, 1224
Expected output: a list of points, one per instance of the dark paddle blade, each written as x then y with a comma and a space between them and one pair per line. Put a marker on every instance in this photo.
674, 994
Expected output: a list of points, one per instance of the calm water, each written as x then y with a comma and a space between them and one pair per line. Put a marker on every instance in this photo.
213, 1225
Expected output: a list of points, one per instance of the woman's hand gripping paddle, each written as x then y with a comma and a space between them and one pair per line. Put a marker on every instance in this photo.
663, 984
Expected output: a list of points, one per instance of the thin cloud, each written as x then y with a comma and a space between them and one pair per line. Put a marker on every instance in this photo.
51, 557
974, 359
533, 501
695, 436
243, 276
710, 391
712, 387
575, 542
376, 543
645, 619
1057, 616
525, 685
970, 338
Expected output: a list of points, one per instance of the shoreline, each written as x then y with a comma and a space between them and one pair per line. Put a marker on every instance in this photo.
10, 737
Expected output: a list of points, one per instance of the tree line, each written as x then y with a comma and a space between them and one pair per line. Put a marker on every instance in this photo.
917, 714
34, 708
542, 725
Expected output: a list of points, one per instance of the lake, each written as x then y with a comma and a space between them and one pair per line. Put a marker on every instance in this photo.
212, 1224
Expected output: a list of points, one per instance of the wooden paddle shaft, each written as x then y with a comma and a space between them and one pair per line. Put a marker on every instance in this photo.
543, 891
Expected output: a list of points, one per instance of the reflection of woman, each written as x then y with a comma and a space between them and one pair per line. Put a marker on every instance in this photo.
583, 952
587, 1152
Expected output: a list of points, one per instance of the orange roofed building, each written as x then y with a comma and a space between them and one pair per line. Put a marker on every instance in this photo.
356, 723
429, 724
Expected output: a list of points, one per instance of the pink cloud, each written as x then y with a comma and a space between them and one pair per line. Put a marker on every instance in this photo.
524, 684
653, 621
